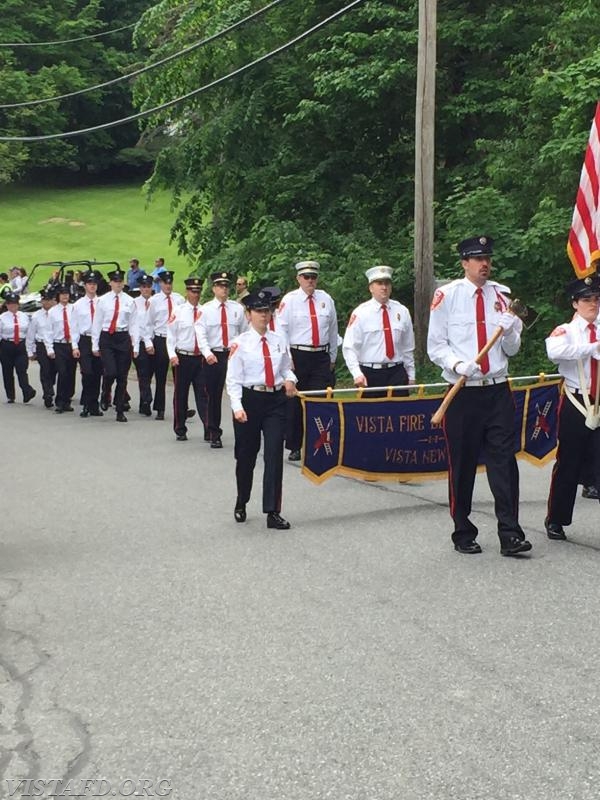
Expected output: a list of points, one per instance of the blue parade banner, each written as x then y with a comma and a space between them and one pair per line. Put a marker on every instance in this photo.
393, 438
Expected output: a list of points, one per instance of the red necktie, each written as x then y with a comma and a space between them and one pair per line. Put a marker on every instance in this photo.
92, 310
272, 324
16, 333
269, 377
196, 348
169, 308
313, 322
593, 363
113, 323
224, 330
484, 364
66, 328
387, 332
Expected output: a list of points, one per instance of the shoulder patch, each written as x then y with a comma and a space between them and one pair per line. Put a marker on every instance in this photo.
281, 307
560, 331
437, 300
232, 349
352, 320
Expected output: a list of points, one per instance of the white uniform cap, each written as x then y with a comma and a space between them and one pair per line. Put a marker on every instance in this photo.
311, 267
380, 273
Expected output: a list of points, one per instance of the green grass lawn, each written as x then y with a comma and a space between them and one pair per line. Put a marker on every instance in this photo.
103, 223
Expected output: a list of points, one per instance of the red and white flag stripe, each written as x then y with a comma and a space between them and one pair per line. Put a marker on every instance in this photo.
583, 247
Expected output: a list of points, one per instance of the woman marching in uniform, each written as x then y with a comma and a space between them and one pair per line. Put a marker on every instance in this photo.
259, 377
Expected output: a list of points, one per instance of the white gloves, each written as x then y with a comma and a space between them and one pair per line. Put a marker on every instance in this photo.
468, 369
507, 322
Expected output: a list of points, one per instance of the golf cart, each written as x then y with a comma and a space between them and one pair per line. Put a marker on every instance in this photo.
55, 272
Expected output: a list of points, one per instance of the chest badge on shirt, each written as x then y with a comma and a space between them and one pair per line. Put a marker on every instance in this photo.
398, 316
498, 307
232, 349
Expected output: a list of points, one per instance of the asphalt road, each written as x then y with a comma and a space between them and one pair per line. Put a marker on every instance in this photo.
144, 635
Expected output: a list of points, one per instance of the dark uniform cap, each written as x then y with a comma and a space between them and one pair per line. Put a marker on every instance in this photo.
62, 288
194, 283
11, 297
116, 275
476, 246
91, 277
221, 277
274, 291
258, 301
583, 287
145, 280
48, 294
166, 276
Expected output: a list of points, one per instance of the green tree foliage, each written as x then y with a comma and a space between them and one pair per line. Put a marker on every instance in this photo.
312, 153
30, 73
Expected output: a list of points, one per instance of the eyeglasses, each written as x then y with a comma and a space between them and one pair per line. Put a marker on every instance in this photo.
309, 277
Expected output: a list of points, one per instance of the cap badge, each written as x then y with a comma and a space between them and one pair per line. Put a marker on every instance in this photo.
482, 240
588, 281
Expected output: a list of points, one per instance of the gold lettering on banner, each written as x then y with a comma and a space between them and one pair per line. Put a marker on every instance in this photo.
395, 455
437, 456
372, 424
411, 422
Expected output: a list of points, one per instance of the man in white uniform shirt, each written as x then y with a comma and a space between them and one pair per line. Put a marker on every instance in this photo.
186, 359
464, 316
59, 346
144, 363
221, 321
36, 348
13, 350
575, 348
84, 311
115, 333
379, 342
308, 319
162, 306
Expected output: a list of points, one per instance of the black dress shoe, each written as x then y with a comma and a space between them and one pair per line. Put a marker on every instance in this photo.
590, 492
10, 400
239, 512
48, 402
181, 437
59, 410
160, 415
216, 444
95, 412
514, 547
85, 413
105, 404
68, 407
29, 396
468, 548
554, 530
121, 417
145, 410
206, 436
190, 413
277, 522
295, 455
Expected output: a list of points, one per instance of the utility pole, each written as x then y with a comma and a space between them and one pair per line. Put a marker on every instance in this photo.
424, 172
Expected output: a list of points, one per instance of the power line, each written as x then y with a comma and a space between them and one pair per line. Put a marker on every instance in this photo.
142, 114
68, 41
88, 36
172, 57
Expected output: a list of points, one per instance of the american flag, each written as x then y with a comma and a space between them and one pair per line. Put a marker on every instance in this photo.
583, 247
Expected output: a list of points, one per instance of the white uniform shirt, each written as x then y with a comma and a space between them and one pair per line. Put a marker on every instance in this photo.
82, 318
38, 325
364, 341
246, 365
181, 330
158, 314
127, 319
452, 333
7, 325
568, 343
142, 305
209, 330
55, 332
294, 320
